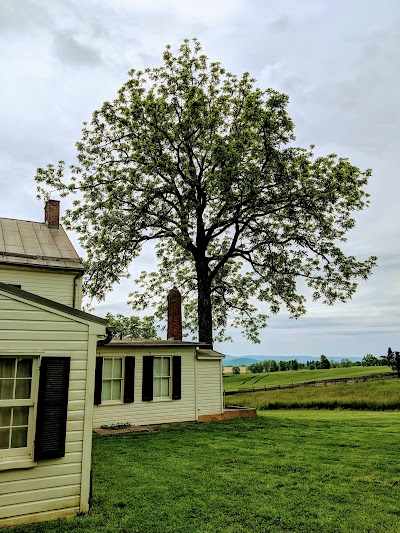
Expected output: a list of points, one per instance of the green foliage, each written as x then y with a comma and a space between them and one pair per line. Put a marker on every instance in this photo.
256, 368
393, 360
202, 162
267, 379
324, 362
377, 395
132, 327
289, 471
235, 370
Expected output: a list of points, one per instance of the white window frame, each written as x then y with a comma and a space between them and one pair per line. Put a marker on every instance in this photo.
169, 377
22, 457
121, 379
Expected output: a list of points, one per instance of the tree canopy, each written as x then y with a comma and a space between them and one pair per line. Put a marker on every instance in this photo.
202, 163
132, 327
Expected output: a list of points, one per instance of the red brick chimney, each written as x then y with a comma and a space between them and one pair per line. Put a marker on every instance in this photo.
52, 213
174, 315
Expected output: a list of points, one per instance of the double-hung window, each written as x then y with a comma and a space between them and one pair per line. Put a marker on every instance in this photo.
33, 409
17, 402
112, 379
162, 377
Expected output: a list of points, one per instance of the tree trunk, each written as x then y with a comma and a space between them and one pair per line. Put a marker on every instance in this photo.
204, 308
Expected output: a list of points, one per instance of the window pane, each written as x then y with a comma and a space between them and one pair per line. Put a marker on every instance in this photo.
6, 389
156, 387
19, 437
7, 368
24, 368
4, 439
20, 416
116, 390
165, 387
106, 391
166, 361
107, 368
157, 366
5, 416
23, 389
117, 368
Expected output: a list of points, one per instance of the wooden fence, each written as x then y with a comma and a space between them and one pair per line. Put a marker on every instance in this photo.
320, 383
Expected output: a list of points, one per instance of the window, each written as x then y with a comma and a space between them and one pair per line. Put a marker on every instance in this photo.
162, 377
112, 379
17, 393
33, 408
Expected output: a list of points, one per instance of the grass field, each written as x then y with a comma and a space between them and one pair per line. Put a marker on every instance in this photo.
371, 395
232, 382
285, 471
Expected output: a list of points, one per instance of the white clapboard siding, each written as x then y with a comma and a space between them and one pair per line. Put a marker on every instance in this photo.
156, 412
58, 286
209, 393
52, 488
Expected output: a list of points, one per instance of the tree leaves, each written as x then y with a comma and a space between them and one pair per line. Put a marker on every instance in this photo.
200, 161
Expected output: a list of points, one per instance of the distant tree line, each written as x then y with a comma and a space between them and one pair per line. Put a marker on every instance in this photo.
270, 365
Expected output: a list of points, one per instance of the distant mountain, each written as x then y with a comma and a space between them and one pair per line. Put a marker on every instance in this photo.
247, 360
239, 361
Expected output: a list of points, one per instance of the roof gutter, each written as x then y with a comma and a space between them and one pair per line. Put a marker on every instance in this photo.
103, 342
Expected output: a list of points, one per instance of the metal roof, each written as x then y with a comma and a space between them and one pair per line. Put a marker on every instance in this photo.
35, 244
14, 291
153, 342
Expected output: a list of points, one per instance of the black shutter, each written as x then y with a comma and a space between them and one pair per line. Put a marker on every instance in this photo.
176, 377
129, 380
98, 380
147, 385
51, 422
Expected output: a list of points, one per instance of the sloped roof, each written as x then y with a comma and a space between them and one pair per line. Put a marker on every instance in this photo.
153, 342
14, 291
209, 354
35, 244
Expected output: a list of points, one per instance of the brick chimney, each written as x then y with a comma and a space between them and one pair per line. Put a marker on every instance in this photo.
174, 315
52, 213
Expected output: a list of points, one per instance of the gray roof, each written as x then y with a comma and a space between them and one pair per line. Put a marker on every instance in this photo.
153, 342
35, 244
14, 291
209, 354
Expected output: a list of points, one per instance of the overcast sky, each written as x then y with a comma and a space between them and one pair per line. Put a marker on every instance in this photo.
338, 60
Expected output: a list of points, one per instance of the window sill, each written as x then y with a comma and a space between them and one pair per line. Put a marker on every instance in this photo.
162, 399
17, 463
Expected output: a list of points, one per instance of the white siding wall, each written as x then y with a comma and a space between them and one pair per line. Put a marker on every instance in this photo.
52, 488
209, 393
58, 286
156, 412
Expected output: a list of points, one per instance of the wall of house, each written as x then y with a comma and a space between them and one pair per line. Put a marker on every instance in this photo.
156, 411
59, 487
54, 285
209, 386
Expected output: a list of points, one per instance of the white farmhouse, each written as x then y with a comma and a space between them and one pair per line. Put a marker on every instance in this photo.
142, 382
60, 375
47, 365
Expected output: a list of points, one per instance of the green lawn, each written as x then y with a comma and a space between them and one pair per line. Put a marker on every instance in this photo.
286, 471
233, 382
371, 395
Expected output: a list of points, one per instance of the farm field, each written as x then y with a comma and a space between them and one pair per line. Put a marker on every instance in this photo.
311, 471
371, 395
232, 382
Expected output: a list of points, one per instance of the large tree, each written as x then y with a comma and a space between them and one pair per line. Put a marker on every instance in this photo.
203, 163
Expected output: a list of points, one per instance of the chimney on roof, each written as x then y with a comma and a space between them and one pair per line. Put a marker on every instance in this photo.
52, 213
174, 315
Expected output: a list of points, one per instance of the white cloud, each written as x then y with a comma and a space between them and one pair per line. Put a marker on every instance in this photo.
338, 61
